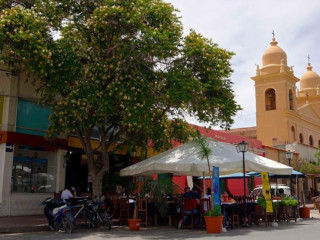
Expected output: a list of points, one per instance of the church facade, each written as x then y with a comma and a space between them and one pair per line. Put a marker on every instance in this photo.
284, 113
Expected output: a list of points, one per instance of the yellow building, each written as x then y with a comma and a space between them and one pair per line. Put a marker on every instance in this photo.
287, 118
285, 114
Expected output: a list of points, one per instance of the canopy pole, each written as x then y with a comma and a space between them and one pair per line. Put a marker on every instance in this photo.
203, 184
297, 194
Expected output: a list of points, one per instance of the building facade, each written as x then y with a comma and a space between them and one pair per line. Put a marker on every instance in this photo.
285, 114
31, 168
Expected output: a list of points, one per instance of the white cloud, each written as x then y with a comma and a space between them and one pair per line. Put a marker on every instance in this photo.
245, 28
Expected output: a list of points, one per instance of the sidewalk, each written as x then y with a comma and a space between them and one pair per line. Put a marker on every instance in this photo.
17, 224
36, 223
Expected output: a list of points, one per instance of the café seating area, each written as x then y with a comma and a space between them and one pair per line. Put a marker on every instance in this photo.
187, 213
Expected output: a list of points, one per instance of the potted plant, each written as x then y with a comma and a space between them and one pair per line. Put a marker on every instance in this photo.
214, 219
304, 212
290, 205
134, 222
156, 190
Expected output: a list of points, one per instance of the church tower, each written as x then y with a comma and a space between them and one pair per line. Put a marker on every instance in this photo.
275, 86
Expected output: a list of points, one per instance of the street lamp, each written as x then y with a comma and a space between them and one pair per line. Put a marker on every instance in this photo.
289, 155
243, 147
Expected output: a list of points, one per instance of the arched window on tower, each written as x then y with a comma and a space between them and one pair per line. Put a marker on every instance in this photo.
270, 96
300, 138
293, 133
310, 140
319, 143
290, 100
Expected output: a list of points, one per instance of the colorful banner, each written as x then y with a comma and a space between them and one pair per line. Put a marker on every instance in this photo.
266, 191
215, 185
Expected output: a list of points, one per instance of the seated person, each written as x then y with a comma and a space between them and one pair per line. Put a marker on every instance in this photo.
227, 198
66, 194
196, 196
281, 193
186, 189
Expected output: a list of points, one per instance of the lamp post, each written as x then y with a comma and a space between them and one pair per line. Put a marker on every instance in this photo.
242, 147
289, 155
66, 158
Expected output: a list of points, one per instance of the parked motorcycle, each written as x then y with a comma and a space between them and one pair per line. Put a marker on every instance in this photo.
57, 213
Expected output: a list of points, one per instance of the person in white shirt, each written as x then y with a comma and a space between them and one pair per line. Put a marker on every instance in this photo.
206, 205
66, 194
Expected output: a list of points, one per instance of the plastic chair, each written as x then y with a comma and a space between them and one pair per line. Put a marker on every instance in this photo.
142, 210
124, 210
188, 207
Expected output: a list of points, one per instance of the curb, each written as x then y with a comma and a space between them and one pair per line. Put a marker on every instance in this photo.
24, 229
36, 228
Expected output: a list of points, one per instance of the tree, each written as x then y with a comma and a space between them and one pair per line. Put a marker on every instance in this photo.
119, 68
204, 153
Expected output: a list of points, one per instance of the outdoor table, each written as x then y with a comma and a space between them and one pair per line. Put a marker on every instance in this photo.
226, 207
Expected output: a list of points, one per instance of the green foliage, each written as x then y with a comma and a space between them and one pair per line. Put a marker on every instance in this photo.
121, 68
158, 190
24, 41
262, 202
203, 148
214, 212
309, 168
275, 204
317, 155
289, 201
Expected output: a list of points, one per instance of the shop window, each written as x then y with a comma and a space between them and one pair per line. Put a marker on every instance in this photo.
31, 173
300, 138
270, 98
290, 99
311, 140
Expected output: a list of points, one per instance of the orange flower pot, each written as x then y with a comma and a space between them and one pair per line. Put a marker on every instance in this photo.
214, 224
304, 212
134, 224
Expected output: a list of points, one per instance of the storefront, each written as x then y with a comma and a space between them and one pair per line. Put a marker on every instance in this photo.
29, 172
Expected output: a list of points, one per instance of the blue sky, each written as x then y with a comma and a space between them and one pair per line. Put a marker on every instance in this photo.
245, 27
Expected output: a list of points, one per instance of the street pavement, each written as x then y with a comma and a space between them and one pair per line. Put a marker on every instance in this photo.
308, 229
35, 227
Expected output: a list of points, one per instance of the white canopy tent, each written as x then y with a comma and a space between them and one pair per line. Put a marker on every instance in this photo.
185, 160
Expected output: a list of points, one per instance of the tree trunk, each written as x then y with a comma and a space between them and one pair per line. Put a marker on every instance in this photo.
96, 184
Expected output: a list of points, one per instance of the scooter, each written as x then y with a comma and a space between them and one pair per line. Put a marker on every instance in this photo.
58, 216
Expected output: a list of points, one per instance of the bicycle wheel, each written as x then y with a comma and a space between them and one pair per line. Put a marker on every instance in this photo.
106, 221
90, 219
67, 224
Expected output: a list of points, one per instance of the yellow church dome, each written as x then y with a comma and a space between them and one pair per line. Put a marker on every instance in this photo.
274, 55
309, 80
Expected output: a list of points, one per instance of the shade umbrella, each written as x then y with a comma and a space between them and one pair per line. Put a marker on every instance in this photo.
230, 176
294, 173
185, 160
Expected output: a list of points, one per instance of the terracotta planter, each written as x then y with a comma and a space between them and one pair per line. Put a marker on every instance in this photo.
214, 224
304, 212
134, 224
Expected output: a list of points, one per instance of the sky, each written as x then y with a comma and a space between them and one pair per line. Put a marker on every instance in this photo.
245, 27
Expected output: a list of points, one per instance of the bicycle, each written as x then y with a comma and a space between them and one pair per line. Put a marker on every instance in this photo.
85, 209
101, 216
